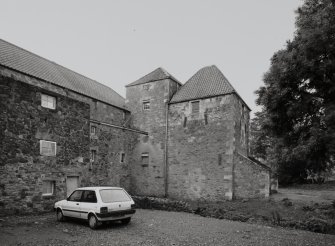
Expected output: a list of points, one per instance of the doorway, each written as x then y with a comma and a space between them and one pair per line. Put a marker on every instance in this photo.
72, 183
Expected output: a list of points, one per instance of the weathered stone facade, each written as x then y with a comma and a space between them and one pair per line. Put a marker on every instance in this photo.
204, 148
149, 178
250, 179
186, 142
24, 122
201, 146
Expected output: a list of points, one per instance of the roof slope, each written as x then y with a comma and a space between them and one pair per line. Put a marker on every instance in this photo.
16, 58
207, 82
158, 74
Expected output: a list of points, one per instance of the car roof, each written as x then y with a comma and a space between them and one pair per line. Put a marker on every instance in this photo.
98, 188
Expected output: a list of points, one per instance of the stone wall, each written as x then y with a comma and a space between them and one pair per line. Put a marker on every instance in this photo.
200, 150
250, 179
100, 111
24, 122
69, 126
241, 117
148, 178
110, 144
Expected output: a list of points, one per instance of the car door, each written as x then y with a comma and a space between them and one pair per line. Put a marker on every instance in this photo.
72, 204
88, 203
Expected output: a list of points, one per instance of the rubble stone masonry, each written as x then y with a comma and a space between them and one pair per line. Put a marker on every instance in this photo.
150, 148
148, 178
24, 122
200, 150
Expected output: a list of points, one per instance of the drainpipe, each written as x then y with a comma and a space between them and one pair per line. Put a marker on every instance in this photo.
166, 168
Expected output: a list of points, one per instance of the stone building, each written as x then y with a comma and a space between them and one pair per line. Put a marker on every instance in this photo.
60, 130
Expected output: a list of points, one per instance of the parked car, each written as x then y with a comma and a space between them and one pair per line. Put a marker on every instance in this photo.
97, 205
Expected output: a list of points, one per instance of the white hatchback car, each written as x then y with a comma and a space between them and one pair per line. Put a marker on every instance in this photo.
97, 205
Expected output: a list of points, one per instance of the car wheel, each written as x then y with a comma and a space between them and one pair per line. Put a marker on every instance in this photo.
93, 222
60, 216
126, 221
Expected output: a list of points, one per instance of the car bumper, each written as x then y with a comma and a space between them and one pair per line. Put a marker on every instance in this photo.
116, 213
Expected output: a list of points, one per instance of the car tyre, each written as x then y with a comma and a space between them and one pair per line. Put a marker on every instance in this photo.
59, 215
125, 221
93, 222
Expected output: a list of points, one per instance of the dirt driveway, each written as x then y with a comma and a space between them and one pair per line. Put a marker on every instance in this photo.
152, 227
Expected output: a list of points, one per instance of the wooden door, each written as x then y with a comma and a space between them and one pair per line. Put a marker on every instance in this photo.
72, 183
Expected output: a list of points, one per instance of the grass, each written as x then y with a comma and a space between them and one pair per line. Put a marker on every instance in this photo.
305, 214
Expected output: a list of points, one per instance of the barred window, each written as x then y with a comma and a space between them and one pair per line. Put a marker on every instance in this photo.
93, 155
146, 105
48, 148
93, 130
48, 101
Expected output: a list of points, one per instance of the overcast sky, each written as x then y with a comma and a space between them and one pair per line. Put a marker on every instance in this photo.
117, 42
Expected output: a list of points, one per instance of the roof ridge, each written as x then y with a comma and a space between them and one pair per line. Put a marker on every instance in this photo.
164, 71
57, 64
154, 75
86, 77
227, 80
63, 74
27, 51
197, 86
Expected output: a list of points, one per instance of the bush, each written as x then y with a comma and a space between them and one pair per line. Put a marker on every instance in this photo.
318, 225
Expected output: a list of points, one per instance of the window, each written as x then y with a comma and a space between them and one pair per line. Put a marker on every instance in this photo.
122, 157
89, 196
93, 130
195, 107
48, 101
93, 155
48, 188
47, 148
114, 195
146, 105
145, 159
219, 159
76, 196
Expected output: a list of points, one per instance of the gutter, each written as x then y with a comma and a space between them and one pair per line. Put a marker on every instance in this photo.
118, 127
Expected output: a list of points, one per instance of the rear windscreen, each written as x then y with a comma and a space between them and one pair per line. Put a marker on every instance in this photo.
114, 195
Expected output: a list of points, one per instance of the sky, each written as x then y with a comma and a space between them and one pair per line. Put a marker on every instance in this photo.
116, 42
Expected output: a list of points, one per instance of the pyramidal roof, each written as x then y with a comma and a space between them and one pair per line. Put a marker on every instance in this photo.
157, 74
14, 57
207, 82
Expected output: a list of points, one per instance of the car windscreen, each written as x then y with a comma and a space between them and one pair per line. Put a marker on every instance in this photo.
114, 195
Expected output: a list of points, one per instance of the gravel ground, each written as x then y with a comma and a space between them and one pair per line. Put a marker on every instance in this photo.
151, 227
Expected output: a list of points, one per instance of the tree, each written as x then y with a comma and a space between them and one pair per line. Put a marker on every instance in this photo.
298, 97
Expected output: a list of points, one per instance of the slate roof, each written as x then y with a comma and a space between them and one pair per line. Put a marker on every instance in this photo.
207, 82
14, 57
158, 74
